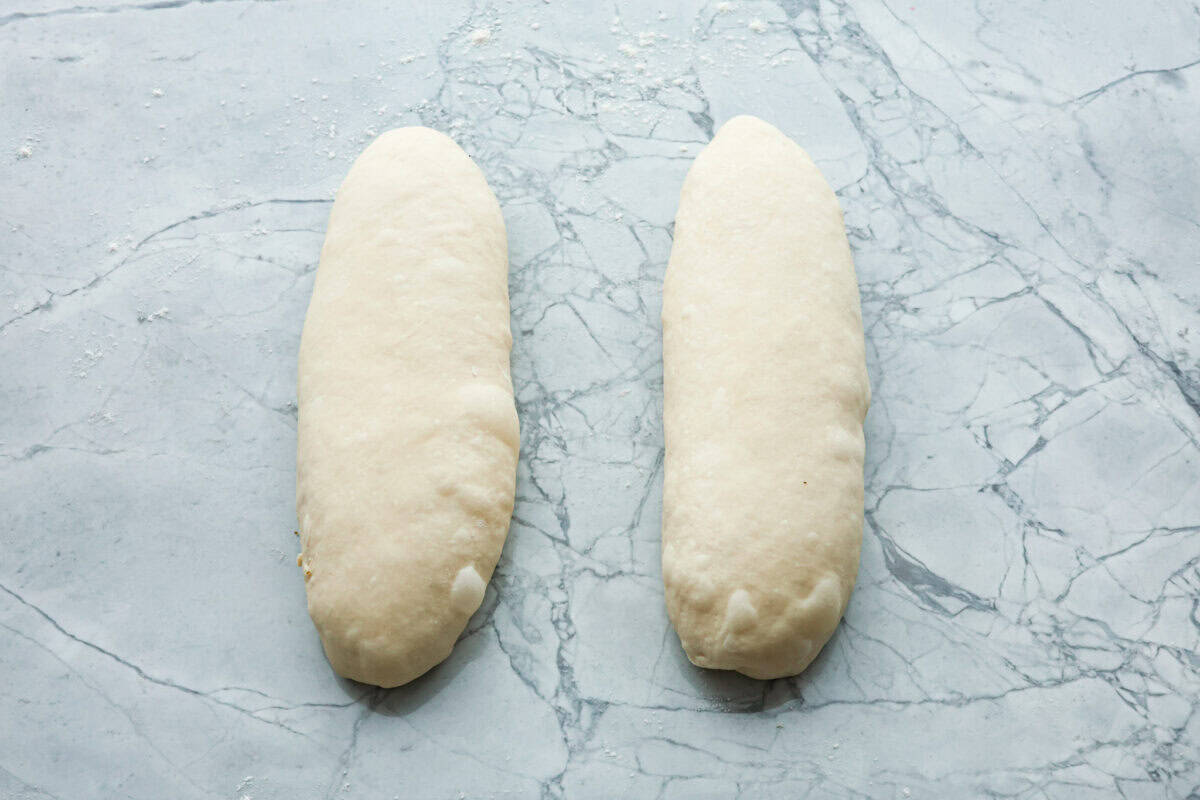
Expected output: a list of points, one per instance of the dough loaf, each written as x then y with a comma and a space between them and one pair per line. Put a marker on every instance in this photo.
765, 391
407, 435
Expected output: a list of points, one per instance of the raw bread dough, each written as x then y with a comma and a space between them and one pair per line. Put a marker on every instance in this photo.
765, 390
407, 432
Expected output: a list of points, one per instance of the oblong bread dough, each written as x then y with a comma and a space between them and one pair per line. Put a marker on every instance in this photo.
407, 434
765, 390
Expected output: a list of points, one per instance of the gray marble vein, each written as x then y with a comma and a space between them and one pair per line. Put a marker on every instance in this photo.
1021, 185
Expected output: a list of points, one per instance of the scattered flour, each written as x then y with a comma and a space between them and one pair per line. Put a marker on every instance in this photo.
758, 26
479, 37
91, 357
25, 151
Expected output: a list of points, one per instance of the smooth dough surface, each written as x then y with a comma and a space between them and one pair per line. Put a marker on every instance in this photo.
765, 391
407, 434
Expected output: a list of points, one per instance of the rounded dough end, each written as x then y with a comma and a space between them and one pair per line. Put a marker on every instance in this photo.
373, 650
764, 638
744, 123
403, 139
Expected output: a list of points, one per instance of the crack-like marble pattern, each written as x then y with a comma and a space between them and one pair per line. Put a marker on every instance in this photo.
1019, 181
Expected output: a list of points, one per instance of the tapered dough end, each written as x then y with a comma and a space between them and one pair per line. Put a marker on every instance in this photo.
746, 124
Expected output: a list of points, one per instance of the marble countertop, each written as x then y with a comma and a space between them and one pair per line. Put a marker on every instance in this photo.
1020, 185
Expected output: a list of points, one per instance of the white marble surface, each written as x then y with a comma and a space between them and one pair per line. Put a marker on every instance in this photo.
1020, 181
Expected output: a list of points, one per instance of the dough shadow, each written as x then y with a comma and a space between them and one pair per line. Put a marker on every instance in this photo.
733, 693
402, 700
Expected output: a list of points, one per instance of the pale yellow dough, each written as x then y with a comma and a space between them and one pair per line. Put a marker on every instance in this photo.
765, 391
407, 431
